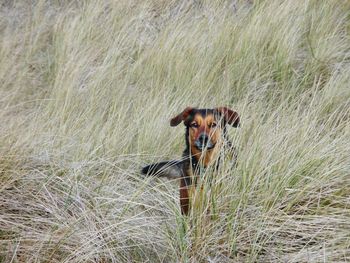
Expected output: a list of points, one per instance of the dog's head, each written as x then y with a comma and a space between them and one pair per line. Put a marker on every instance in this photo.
205, 126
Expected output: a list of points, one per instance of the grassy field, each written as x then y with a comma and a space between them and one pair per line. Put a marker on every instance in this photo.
87, 91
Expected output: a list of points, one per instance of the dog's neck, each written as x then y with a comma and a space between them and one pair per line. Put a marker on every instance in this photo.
205, 158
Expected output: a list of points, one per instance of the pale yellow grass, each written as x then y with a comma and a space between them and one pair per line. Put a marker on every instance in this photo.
88, 88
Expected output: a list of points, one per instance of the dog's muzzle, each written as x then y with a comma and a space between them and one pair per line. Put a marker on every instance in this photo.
203, 142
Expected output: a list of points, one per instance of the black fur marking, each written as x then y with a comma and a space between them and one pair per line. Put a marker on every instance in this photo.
171, 169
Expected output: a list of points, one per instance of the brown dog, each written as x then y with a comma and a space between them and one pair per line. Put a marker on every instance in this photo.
205, 138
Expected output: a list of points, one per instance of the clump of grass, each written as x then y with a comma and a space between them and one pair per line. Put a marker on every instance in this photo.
88, 89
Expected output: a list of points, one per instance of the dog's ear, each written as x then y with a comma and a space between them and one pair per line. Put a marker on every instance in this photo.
231, 117
182, 116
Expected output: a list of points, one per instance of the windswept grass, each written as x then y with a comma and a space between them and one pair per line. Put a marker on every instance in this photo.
87, 91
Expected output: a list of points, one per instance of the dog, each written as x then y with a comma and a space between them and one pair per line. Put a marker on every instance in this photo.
205, 137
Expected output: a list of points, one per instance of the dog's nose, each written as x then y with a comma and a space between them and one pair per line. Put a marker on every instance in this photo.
203, 139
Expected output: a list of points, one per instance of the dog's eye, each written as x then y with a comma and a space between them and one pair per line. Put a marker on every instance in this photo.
213, 125
194, 125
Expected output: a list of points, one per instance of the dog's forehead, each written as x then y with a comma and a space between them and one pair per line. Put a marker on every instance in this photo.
204, 113
200, 115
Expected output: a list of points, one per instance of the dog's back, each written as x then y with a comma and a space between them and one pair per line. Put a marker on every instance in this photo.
169, 169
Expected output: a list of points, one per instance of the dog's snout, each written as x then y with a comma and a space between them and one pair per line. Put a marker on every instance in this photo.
203, 139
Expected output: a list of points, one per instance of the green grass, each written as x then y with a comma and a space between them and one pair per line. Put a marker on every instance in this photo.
87, 92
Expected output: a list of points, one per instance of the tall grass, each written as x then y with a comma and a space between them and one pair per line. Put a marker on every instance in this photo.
87, 91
